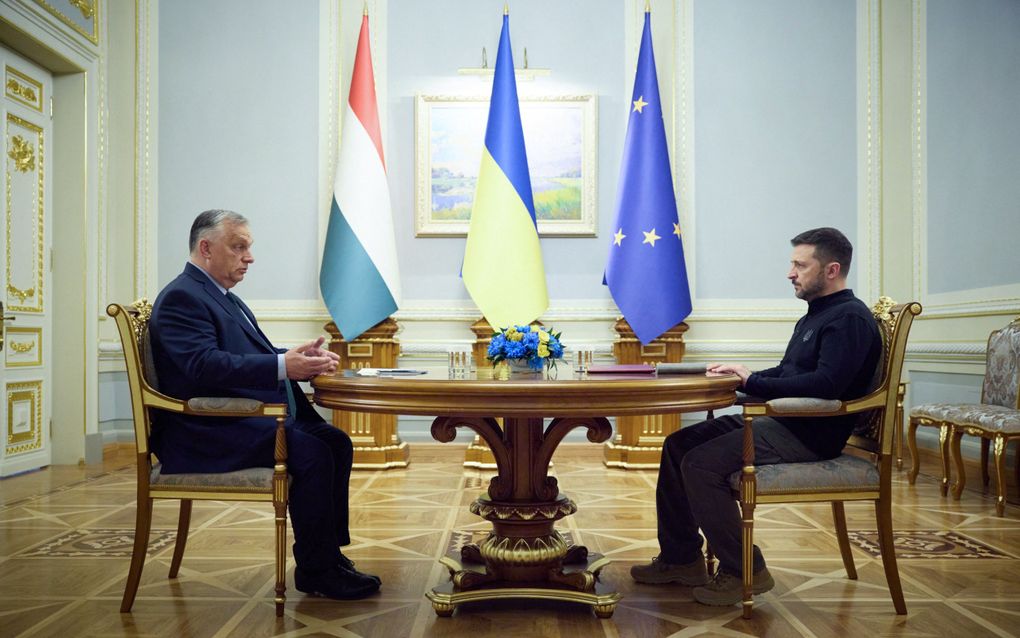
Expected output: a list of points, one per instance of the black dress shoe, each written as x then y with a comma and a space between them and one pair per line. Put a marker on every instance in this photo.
346, 564
334, 583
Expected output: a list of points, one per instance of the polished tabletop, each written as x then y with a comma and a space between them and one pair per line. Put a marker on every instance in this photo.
559, 393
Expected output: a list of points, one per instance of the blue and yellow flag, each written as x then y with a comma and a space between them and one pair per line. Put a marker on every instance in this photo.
503, 269
645, 272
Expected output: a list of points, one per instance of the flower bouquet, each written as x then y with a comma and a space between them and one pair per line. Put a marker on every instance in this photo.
533, 346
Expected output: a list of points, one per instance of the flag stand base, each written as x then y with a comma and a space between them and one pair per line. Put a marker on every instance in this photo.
638, 441
377, 446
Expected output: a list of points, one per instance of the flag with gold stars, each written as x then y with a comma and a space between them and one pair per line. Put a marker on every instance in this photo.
645, 272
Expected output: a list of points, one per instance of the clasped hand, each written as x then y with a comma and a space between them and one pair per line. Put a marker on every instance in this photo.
310, 359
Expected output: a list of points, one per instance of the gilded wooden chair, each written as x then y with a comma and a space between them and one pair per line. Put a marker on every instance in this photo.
254, 484
862, 473
996, 419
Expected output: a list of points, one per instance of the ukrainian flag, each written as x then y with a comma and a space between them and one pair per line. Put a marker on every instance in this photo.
503, 269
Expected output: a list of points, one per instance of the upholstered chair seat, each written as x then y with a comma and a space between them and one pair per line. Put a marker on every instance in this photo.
993, 418
844, 473
256, 479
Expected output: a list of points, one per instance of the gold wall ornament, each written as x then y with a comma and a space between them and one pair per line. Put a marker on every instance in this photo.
23, 88
23, 154
21, 347
16, 88
87, 7
22, 295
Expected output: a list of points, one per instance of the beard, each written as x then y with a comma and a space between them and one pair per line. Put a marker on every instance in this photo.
810, 290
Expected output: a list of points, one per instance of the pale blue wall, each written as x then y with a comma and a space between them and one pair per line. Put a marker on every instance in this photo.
238, 129
581, 41
775, 137
973, 60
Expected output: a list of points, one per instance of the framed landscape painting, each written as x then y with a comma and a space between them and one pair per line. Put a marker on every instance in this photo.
560, 135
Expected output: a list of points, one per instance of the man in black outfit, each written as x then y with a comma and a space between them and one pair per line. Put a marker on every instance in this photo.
832, 354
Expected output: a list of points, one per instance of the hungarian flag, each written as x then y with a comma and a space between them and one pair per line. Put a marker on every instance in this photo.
359, 278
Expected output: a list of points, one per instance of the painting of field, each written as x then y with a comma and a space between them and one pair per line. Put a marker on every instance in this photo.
552, 137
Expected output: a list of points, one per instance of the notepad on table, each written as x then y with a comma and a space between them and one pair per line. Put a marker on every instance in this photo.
622, 368
389, 372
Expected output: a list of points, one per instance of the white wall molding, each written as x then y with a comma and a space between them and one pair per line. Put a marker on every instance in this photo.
48, 29
992, 300
869, 149
146, 256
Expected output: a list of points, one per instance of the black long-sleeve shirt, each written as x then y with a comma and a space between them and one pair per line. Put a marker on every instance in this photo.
832, 354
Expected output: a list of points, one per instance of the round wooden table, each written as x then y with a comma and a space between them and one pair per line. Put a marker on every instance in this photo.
524, 556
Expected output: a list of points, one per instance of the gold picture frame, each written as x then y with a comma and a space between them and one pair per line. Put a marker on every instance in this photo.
561, 138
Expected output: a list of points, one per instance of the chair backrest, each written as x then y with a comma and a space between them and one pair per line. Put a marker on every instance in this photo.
1002, 368
133, 326
875, 433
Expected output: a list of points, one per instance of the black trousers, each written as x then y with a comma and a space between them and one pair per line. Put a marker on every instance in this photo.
694, 491
319, 458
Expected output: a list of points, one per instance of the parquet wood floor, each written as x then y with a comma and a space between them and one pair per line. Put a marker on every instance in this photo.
65, 536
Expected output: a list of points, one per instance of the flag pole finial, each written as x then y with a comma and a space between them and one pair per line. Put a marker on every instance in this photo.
364, 11
506, 8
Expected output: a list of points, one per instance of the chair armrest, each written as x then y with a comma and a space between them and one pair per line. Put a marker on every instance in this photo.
744, 398
793, 406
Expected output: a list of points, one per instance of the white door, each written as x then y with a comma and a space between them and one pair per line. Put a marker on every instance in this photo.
25, 290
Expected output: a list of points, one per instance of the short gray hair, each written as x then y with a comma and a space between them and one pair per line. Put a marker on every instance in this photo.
210, 221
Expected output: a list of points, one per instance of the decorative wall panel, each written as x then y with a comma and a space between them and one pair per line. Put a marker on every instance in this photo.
24, 205
23, 347
24, 417
81, 15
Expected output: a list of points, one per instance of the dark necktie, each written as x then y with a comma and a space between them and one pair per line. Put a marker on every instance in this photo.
291, 403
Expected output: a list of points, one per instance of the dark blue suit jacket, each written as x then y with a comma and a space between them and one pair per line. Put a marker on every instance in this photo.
202, 346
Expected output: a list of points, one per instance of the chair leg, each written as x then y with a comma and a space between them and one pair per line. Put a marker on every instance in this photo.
946, 433
1016, 465
839, 519
961, 474
1000, 474
984, 463
898, 432
915, 462
143, 522
710, 561
747, 554
281, 554
883, 516
183, 524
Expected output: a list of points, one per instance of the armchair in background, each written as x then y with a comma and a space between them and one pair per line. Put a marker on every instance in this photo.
996, 419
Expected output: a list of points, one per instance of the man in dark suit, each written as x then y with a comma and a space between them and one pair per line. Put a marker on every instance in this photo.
206, 342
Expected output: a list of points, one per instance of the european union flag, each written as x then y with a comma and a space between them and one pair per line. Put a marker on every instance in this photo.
645, 271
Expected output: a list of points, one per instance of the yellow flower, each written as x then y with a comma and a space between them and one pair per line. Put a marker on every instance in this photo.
543, 350
513, 335
543, 337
